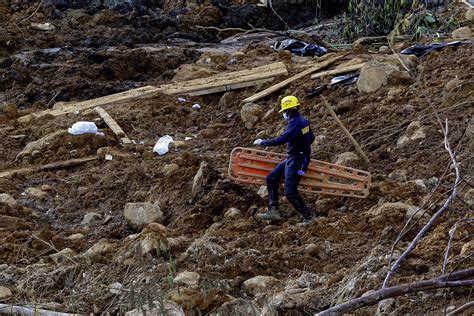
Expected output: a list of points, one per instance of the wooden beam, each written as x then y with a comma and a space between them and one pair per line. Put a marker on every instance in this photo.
142, 92
113, 125
50, 166
232, 80
232, 86
338, 71
284, 83
344, 129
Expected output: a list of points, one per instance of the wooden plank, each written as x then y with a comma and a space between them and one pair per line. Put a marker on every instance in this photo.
146, 91
338, 71
284, 83
113, 125
217, 82
51, 166
232, 86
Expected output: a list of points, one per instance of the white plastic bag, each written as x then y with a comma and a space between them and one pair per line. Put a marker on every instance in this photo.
161, 146
79, 128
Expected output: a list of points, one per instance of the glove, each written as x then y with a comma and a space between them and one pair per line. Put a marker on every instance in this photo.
301, 172
258, 142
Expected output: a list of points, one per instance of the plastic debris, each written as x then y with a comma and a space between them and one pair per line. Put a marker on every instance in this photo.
42, 26
422, 50
188, 138
108, 157
300, 48
196, 106
161, 146
345, 79
181, 100
80, 128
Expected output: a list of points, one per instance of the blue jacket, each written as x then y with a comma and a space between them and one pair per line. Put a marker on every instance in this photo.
299, 136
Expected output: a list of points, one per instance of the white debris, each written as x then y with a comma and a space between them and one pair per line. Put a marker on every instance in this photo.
181, 100
108, 157
196, 106
79, 128
161, 146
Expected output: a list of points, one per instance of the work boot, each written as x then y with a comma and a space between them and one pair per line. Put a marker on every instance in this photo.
273, 214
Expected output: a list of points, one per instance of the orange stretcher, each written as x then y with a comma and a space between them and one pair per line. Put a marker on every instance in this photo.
248, 165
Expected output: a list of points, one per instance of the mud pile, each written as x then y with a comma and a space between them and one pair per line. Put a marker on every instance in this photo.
68, 243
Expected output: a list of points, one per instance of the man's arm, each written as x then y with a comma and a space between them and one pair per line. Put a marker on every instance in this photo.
290, 132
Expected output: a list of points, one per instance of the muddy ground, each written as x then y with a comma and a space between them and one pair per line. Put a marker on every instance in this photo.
63, 235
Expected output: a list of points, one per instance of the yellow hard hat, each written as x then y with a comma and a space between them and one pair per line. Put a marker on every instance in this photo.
289, 102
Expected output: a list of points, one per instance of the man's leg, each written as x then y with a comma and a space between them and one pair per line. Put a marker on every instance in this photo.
273, 181
292, 180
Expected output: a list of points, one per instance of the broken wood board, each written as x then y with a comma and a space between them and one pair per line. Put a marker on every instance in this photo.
142, 92
50, 166
338, 71
228, 81
113, 125
284, 83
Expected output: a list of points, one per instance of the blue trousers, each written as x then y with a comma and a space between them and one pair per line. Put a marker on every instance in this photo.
287, 170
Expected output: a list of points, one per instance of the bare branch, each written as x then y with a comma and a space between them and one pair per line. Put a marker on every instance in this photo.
461, 308
455, 279
451, 236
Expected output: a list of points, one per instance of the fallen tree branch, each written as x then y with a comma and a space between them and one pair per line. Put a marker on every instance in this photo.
6, 309
451, 236
461, 308
433, 219
455, 279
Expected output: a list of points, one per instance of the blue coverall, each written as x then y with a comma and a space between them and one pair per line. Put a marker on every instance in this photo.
299, 136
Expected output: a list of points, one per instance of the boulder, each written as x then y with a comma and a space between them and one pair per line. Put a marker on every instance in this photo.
5, 292
251, 114
384, 70
259, 284
90, 217
187, 278
462, 33
170, 308
6, 198
415, 131
41, 144
387, 211
348, 159
140, 214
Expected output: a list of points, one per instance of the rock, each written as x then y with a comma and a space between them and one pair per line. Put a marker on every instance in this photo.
89, 217
453, 84
385, 307
348, 159
233, 213
394, 94
399, 175
426, 184
263, 191
190, 71
46, 188
170, 308
392, 209
227, 100
358, 48
74, 237
311, 249
384, 49
467, 248
41, 144
259, 284
187, 278
140, 214
470, 14
10, 110
198, 180
205, 252
36, 193
103, 246
178, 144
5, 292
6, 198
115, 288
384, 70
462, 33
469, 197
64, 255
414, 132
170, 168
251, 114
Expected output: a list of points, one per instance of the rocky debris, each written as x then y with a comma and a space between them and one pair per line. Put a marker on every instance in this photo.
170, 308
90, 217
196, 298
392, 212
311, 249
187, 278
227, 99
233, 213
259, 284
41, 144
470, 14
36, 193
426, 184
5, 292
399, 175
10, 110
100, 248
170, 168
75, 237
190, 71
115, 288
385, 70
263, 191
462, 33
467, 248
453, 84
251, 114
348, 159
63, 255
140, 214
204, 251
415, 131
6, 198
385, 307
200, 179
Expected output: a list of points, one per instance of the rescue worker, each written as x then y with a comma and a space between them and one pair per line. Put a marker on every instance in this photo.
299, 137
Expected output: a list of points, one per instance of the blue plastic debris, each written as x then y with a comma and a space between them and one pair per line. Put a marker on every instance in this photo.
422, 50
300, 48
